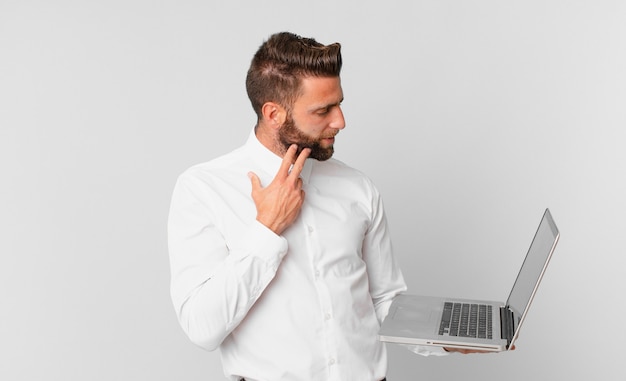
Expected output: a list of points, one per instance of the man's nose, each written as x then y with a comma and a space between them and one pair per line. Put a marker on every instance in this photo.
338, 122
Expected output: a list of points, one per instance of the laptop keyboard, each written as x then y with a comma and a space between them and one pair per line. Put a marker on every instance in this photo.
466, 320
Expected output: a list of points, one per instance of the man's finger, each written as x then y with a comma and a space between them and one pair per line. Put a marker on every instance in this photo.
299, 164
288, 159
254, 179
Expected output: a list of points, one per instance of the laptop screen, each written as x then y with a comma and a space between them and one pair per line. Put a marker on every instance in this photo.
534, 265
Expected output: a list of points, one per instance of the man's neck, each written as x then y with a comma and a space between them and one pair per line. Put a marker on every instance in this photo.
268, 138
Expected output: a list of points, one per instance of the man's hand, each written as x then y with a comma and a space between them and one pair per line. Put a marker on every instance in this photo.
279, 203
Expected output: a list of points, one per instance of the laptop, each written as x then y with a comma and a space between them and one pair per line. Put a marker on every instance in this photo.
473, 324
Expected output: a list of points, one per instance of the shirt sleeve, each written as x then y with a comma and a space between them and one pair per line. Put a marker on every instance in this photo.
385, 275
213, 285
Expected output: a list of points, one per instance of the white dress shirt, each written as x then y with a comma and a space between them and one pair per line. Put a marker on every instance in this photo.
306, 305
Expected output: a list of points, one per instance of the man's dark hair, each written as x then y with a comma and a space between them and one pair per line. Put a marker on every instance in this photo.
282, 61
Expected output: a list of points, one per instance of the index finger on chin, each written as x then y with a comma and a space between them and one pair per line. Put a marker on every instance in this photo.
287, 161
299, 164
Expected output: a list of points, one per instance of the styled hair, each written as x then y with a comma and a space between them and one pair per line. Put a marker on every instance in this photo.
277, 68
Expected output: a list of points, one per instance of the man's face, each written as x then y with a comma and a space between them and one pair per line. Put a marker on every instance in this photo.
316, 117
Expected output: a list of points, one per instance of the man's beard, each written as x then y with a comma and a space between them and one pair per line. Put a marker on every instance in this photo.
290, 134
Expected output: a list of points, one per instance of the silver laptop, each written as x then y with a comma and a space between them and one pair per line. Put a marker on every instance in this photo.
473, 324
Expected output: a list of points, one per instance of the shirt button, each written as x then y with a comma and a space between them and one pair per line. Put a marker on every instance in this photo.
331, 361
311, 229
317, 273
327, 316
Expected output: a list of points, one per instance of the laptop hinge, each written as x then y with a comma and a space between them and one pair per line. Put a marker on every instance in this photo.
507, 324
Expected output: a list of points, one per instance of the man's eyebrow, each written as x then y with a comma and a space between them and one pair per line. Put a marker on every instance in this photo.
327, 106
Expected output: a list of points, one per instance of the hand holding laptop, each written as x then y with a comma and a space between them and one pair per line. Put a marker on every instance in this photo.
473, 326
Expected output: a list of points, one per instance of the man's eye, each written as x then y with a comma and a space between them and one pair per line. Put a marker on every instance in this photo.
323, 111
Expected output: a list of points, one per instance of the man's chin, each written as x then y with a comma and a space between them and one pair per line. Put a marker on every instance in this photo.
322, 154
318, 151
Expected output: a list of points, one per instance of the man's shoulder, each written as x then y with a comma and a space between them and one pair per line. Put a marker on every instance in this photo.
224, 161
340, 172
219, 166
340, 168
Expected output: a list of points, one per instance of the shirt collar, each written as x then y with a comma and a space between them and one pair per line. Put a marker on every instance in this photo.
269, 162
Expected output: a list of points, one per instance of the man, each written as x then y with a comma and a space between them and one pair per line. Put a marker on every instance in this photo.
280, 255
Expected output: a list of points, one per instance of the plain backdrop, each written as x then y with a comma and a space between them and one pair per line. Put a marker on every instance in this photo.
472, 117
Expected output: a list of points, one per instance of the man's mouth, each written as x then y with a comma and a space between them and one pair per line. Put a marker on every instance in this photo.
329, 137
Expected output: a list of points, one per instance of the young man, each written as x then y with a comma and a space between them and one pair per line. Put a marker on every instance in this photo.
280, 255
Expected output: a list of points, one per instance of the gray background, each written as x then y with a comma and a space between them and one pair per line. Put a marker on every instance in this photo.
471, 116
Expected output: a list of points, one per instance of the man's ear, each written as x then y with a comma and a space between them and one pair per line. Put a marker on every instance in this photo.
274, 115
